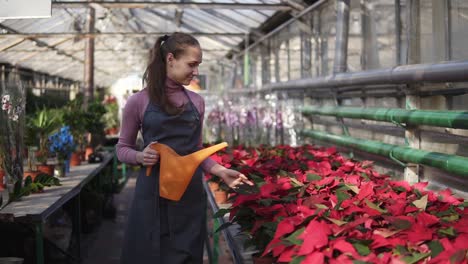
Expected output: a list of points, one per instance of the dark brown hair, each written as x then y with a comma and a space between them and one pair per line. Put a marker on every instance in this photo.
155, 74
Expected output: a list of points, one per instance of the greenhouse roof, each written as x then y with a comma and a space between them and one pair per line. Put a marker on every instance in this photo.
125, 31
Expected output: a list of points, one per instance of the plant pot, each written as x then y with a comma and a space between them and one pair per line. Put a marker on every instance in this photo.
32, 174
59, 170
262, 260
220, 196
47, 169
75, 159
214, 186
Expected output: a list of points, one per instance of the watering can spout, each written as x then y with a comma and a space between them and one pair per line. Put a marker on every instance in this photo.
177, 171
199, 156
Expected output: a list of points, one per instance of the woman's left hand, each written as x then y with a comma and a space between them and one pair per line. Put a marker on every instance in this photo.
234, 178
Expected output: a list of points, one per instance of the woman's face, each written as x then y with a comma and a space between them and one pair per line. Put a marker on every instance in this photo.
185, 67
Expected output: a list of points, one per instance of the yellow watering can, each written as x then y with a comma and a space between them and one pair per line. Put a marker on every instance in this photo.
176, 171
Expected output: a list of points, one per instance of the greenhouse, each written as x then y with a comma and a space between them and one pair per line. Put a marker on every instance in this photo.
233, 131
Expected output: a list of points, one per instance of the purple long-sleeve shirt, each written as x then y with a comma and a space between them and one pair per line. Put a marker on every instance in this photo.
132, 119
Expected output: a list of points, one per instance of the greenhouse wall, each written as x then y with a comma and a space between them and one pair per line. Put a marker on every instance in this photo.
382, 34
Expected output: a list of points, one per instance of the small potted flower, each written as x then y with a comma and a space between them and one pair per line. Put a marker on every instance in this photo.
62, 146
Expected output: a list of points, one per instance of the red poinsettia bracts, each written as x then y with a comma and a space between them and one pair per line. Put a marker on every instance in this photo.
312, 205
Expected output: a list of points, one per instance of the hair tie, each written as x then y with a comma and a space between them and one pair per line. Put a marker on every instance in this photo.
164, 38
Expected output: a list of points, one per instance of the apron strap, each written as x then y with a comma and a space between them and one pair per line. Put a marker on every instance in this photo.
194, 109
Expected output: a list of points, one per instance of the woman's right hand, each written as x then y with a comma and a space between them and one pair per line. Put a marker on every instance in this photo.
148, 156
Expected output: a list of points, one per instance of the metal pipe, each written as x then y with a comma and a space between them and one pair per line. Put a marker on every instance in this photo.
342, 30
453, 71
451, 163
452, 119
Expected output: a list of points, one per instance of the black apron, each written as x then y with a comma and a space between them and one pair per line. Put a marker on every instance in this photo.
161, 230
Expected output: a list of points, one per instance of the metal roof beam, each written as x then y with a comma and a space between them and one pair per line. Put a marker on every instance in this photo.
125, 34
11, 45
234, 22
29, 56
41, 43
169, 5
190, 27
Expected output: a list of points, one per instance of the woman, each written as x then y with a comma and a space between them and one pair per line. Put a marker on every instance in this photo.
160, 230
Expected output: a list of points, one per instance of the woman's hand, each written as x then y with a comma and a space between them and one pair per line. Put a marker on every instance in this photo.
232, 178
148, 156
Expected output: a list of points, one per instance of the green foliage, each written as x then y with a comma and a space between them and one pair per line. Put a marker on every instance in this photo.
111, 117
94, 117
38, 129
42, 180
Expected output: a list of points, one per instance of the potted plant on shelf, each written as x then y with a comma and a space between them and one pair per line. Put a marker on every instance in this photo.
39, 127
75, 117
62, 145
94, 125
111, 117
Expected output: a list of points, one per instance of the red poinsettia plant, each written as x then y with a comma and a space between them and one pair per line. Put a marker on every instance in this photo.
312, 205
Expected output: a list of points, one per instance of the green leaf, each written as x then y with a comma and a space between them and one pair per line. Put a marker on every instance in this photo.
449, 211
450, 231
365, 176
401, 250
342, 196
336, 221
313, 177
421, 203
296, 182
450, 218
374, 206
259, 181
436, 248
362, 249
415, 257
321, 206
308, 156
221, 213
293, 240
297, 260
353, 188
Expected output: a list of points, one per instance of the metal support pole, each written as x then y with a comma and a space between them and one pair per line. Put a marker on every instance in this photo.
342, 32
246, 63
39, 243
265, 53
288, 53
89, 59
341, 52
441, 30
306, 55
398, 32
412, 133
